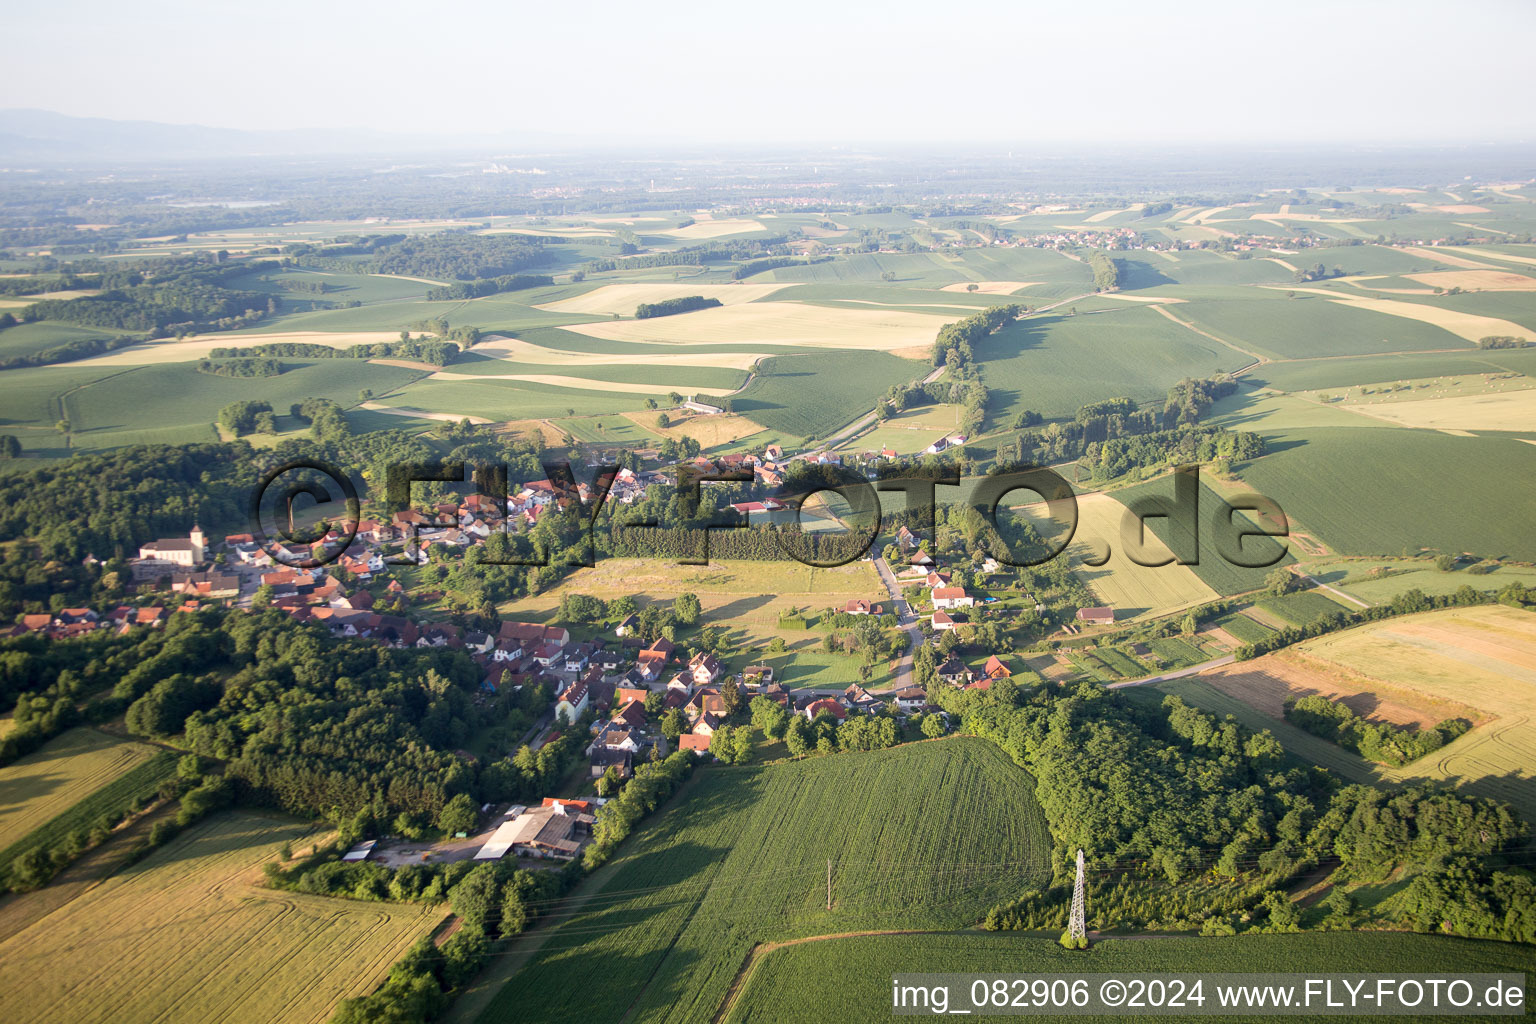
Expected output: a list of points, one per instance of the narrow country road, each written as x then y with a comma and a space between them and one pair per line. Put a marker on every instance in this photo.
905, 619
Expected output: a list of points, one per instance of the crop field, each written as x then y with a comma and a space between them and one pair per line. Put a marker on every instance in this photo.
1302, 607
503, 399
805, 395
852, 976
1266, 683
1248, 630
30, 339
48, 782
112, 800
1367, 491
1053, 363
924, 835
737, 595
1323, 374
1214, 569
1509, 410
623, 298
131, 407
1396, 575
199, 346
223, 947
494, 349
1469, 326
637, 379
1484, 657
780, 323
1310, 325
1133, 590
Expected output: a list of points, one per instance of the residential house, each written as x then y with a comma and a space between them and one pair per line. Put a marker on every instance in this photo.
954, 672
705, 668
572, 702
695, 741
911, 699
996, 669
827, 704
859, 606
952, 597
576, 656
942, 621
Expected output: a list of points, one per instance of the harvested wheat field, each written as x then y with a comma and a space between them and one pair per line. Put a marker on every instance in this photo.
1507, 410
1439, 255
780, 323
1477, 280
1484, 657
706, 227
190, 935
517, 350
579, 383
623, 298
1266, 683
169, 350
421, 414
66, 770
991, 287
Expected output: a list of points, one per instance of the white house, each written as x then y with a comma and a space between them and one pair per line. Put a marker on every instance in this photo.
952, 597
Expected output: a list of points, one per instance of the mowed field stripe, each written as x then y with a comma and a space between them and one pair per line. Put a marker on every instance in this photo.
582, 383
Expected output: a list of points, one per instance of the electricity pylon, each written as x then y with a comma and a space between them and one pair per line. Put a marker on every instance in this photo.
1076, 924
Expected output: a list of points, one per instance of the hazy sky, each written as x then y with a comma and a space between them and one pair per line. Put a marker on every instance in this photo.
823, 71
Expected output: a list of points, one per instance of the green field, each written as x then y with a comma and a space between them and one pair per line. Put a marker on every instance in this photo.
814, 394
30, 339
1311, 374
45, 785
1312, 325
925, 835
1246, 629
1302, 607
818, 669
1367, 491
1053, 363
511, 400
1352, 575
1215, 570
849, 979
170, 402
